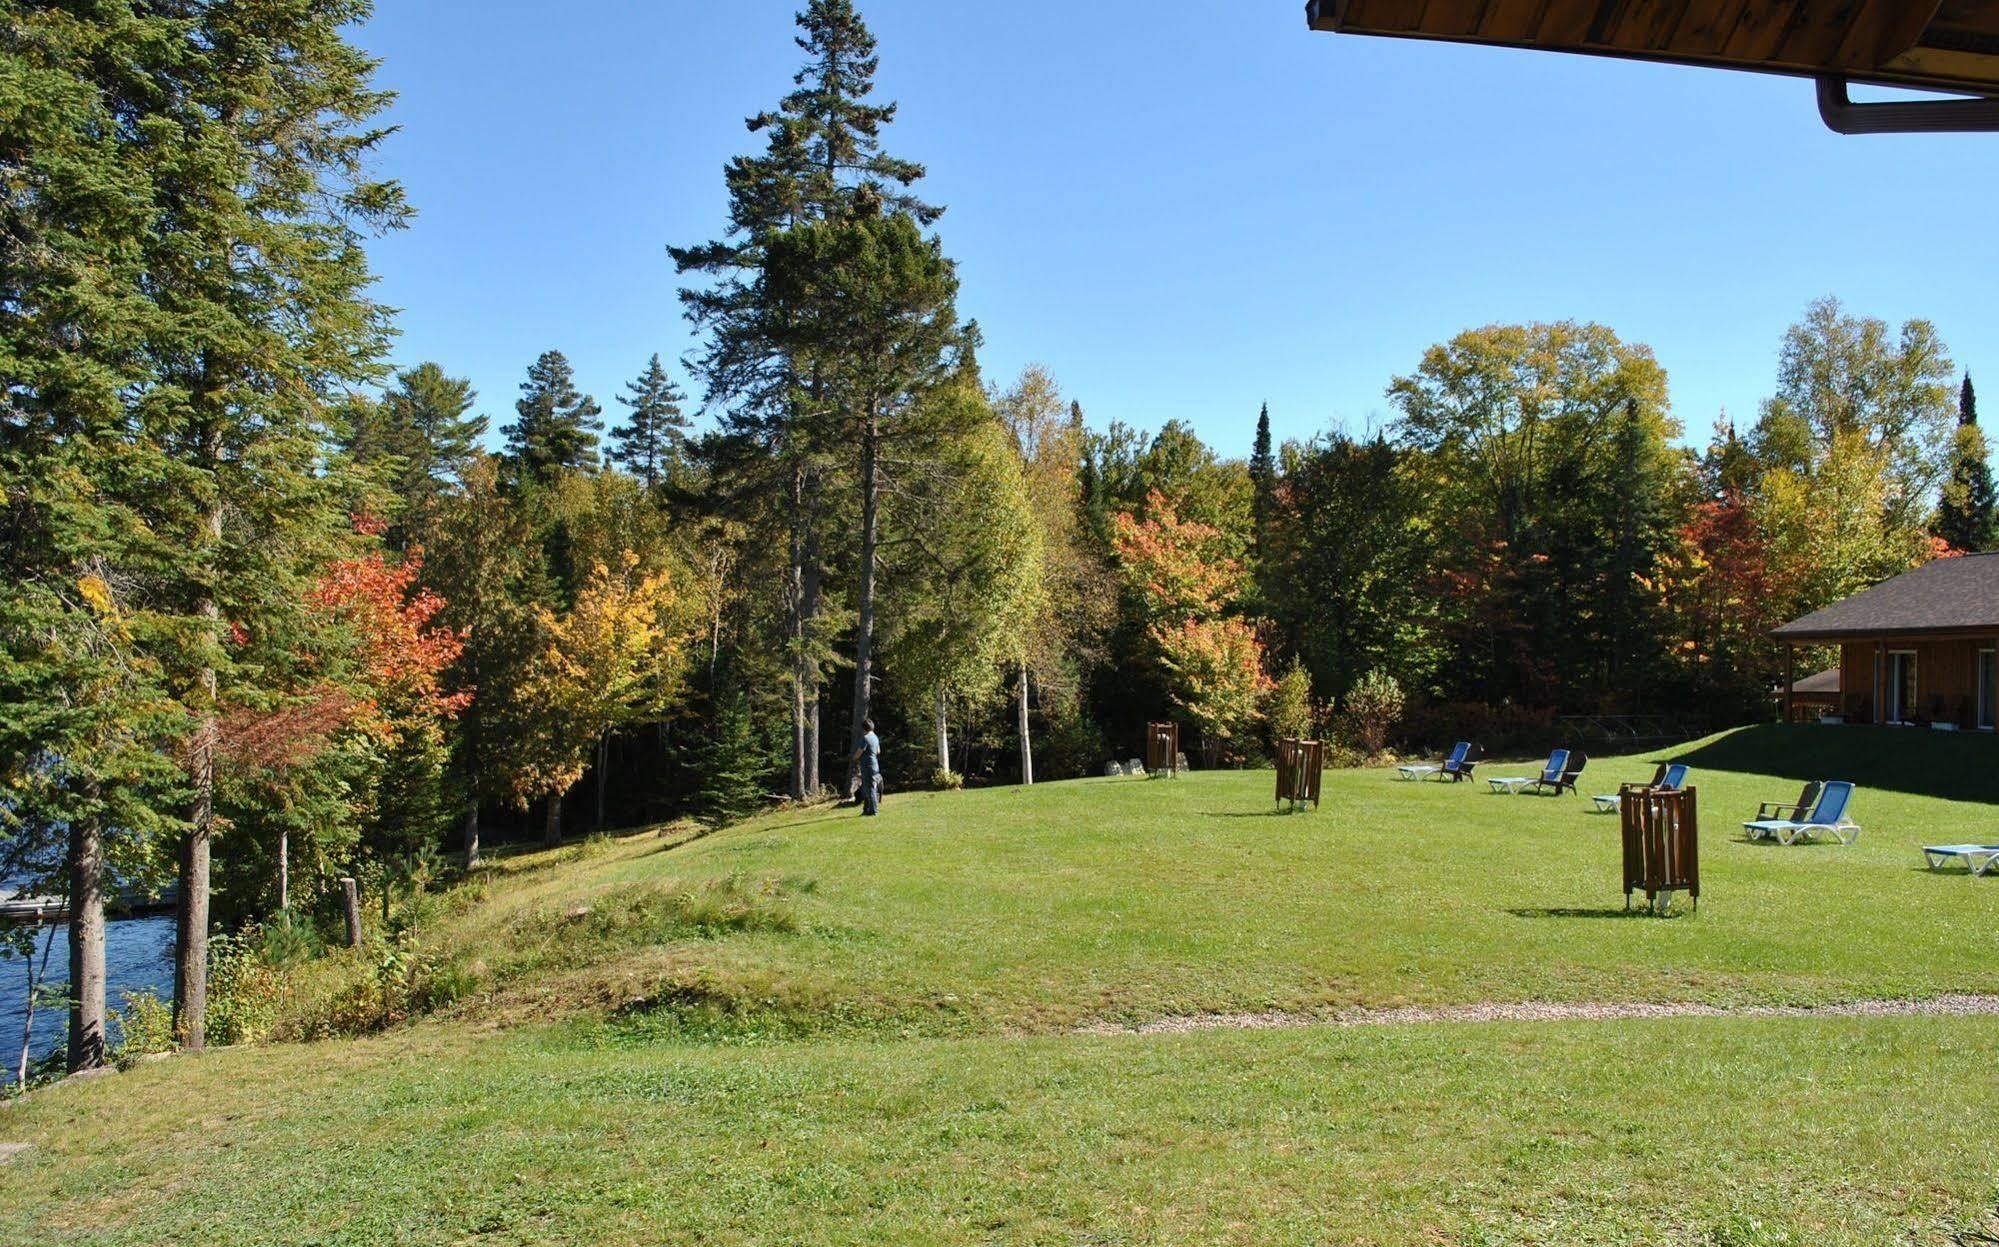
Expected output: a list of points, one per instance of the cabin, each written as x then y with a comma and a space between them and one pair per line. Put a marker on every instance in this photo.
1917, 650
1928, 45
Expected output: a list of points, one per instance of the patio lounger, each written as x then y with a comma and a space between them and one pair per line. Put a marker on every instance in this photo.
1456, 768
1558, 765
1783, 810
1668, 778
1827, 818
1979, 857
1563, 779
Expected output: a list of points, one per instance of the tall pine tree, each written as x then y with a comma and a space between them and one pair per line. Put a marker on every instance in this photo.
1966, 517
556, 427
822, 151
1262, 479
649, 443
419, 438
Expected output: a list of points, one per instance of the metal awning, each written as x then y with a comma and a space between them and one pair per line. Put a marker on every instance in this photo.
1931, 45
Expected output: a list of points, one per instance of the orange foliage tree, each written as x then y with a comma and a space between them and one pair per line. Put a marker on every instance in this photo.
1215, 666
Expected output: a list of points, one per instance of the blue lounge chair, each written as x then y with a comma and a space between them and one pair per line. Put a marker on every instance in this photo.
1552, 775
1459, 766
1827, 818
1668, 778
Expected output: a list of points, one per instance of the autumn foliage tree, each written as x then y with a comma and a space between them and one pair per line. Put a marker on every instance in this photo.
609, 659
1214, 665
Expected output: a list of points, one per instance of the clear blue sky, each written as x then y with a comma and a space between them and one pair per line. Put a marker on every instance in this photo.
1182, 208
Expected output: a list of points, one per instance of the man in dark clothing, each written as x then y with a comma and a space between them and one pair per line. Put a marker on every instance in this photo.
871, 773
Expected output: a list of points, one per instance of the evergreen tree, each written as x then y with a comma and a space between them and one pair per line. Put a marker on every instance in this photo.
730, 763
252, 124
822, 154
556, 427
649, 444
419, 439
1262, 480
1966, 517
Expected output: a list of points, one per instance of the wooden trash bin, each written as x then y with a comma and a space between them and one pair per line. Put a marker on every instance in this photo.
1662, 852
1300, 765
1162, 749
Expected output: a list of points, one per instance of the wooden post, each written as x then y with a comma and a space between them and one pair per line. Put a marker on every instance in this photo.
1790, 683
350, 896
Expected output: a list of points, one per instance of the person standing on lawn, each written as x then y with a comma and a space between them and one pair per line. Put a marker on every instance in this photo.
871, 774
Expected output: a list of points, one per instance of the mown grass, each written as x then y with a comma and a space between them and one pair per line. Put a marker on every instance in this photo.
815, 1028
1006, 910
1735, 1132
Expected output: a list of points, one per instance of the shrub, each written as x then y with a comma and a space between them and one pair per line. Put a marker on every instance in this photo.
246, 992
1373, 708
946, 781
1292, 715
145, 1028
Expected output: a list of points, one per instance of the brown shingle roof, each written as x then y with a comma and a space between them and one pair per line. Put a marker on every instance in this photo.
1948, 596
1824, 684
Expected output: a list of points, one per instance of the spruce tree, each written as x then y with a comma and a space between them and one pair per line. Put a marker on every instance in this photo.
649, 444
822, 153
253, 126
418, 439
1262, 479
556, 427
1966, 518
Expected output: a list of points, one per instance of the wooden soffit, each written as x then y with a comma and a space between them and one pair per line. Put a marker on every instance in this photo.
1942, 45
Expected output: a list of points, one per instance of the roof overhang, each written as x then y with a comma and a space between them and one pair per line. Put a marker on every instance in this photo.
1881, 637
1930, 45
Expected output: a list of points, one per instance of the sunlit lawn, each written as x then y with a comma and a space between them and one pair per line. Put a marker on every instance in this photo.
895, 1059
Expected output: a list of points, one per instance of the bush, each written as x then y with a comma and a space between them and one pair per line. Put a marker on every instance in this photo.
946, 781
145, 1028
1374, 707
246, 992
1292, 715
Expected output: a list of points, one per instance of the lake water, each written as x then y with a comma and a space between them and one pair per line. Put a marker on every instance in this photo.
138, 955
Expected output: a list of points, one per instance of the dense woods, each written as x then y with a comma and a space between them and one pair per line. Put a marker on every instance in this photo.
275, 611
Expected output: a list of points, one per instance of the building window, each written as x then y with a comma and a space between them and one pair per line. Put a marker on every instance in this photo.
1901, 685
1988, 690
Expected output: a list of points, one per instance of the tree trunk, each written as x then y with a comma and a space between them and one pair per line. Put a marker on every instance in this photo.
86, 944
811, 592
552, 830
943, 735
191, 915
603, 765
285, 874
1026, 740
864, 624
471, 834
350, 903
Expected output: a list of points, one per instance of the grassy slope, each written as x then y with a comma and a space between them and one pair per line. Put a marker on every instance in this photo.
1131, 899
981, 916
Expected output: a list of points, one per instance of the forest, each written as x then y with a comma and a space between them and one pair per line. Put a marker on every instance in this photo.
280, 607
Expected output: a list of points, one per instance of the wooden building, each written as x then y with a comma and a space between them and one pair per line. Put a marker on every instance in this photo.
1918, 649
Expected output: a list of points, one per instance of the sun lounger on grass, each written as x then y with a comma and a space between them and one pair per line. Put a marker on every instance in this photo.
1668, 778
1980, 858
1551, 775
1828, 817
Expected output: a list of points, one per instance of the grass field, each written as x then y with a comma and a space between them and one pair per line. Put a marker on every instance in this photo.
818, 1029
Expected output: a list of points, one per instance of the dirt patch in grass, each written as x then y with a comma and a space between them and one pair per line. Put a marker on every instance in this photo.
1548, 1011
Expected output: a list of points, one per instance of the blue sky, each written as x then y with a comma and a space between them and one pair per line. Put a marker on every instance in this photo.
1183, 209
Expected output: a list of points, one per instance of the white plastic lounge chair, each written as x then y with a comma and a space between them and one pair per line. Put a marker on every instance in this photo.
1827, 818
1979, 857
1669, 779
1558, 762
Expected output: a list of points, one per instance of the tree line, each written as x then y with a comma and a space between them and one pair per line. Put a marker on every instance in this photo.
276, 613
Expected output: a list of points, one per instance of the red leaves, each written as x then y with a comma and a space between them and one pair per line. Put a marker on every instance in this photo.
405, 657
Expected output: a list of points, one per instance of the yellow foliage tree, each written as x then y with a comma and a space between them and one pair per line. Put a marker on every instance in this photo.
610, 659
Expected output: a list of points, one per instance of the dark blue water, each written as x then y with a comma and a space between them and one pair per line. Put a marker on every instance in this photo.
138, 956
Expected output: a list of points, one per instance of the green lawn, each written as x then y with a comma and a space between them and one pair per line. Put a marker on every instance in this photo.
820, 1029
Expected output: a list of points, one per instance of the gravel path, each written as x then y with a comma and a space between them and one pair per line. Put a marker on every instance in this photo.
1546, 1011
